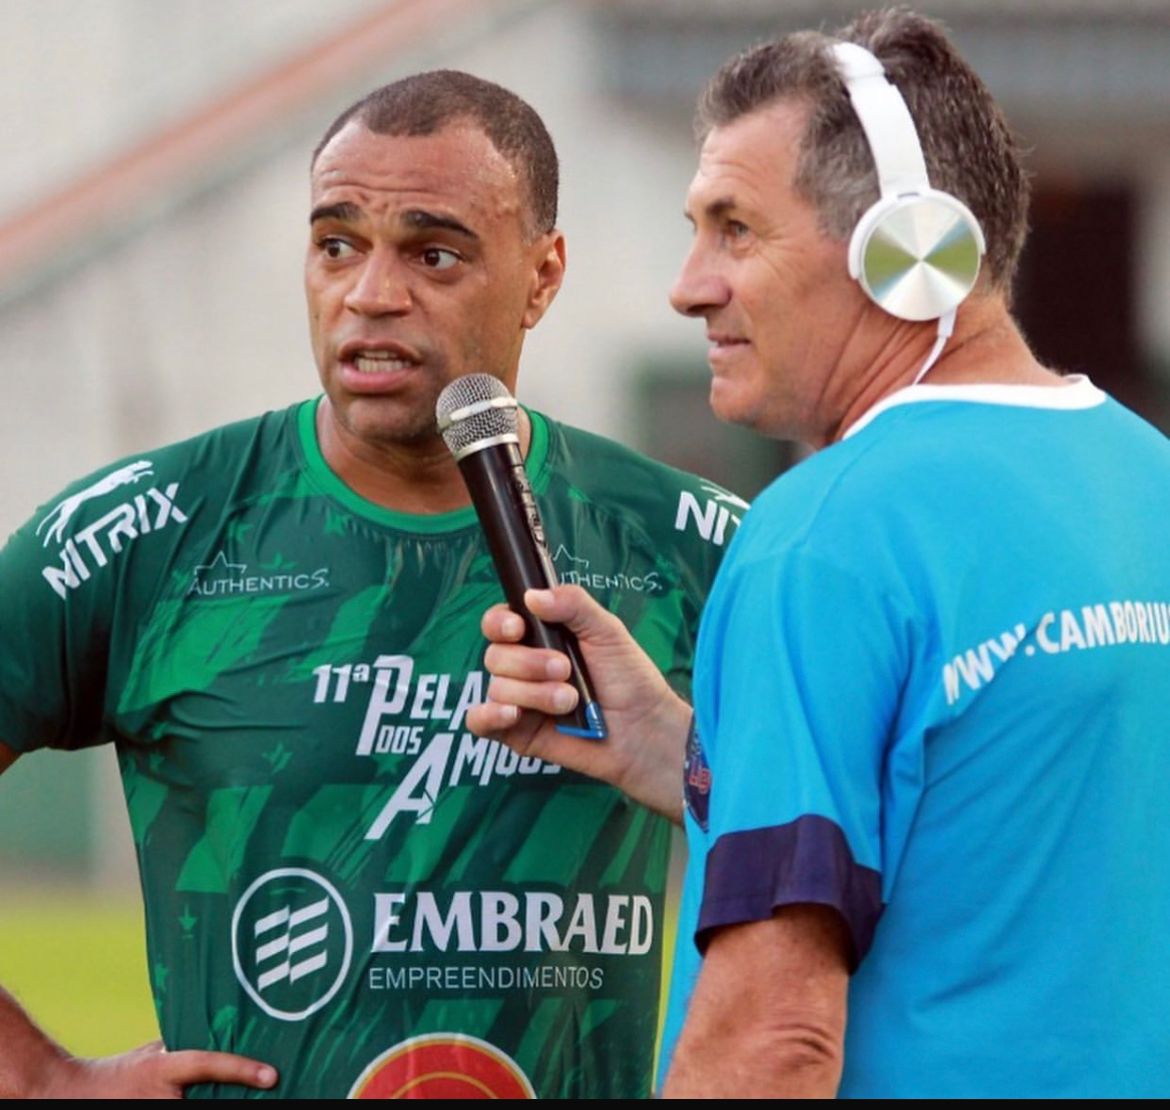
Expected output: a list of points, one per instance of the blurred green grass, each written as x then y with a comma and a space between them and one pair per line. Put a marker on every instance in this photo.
77, 963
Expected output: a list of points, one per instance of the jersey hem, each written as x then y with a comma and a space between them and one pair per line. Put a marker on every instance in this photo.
752, 873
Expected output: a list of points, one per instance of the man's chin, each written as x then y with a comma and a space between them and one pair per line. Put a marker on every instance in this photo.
728, 404
380, 422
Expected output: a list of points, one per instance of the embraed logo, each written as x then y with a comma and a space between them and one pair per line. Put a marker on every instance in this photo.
443, 1065
292, 942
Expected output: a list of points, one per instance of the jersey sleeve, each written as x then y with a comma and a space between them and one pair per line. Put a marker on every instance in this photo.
697, 521
802, 663
52, 661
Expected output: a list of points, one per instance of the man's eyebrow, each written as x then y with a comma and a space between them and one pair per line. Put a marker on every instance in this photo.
417, 219
345, 212
713, 210
421, 220
719, 208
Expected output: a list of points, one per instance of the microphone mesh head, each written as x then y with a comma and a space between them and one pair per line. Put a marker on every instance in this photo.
474, 408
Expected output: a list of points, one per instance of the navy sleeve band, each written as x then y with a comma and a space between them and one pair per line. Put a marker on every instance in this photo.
751, 873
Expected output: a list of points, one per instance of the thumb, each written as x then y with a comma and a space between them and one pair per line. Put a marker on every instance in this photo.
571, 606
193, 1066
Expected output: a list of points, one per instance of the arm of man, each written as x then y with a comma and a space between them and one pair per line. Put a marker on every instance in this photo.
34, 1066
646, 720
767, 1017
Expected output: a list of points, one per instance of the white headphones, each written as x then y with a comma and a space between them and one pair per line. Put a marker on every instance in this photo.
916, 252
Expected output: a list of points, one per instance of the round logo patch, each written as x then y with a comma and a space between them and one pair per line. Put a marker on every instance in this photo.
292, 941
443, 1065
696, 779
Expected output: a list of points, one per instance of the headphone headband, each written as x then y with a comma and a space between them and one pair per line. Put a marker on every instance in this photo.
916, 252
885, 119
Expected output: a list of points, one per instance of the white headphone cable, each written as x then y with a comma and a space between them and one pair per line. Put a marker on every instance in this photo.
946, 325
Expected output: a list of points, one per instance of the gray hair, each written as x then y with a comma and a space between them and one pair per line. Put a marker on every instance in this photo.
970, 150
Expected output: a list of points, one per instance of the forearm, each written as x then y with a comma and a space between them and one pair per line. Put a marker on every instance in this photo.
29, 1060
655, 773
767, 1017
801, 1059
32, 1066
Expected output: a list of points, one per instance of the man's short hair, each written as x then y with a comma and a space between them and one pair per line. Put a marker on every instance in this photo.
970, 150
425, 103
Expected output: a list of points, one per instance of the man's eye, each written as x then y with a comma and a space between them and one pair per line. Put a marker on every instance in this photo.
735, 229
336, 248
438, 258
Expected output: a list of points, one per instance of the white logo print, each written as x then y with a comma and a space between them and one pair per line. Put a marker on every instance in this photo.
724, 497
291, 947
61, 513
83, 553
220, 578
712, 516
290, 942
579, 571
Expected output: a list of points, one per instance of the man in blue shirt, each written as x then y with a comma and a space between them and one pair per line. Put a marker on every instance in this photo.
924, 777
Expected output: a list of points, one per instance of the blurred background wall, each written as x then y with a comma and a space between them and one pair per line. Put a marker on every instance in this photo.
153, 215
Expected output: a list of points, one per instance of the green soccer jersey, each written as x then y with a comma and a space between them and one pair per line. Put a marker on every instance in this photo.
339, 878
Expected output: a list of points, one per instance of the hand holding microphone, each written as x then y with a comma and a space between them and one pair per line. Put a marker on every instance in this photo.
477, 417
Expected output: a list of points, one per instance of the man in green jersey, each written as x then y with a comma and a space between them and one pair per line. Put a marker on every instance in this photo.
276, 624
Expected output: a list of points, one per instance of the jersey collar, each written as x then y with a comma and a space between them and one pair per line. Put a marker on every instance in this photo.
1078, 393
327, 481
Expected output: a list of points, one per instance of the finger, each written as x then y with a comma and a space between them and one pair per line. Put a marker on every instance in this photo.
501, 625
575, 608
562, 604
491, 718
550, 698
530, 664
193, 1066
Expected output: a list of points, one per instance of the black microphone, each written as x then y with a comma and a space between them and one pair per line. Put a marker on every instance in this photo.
477, 417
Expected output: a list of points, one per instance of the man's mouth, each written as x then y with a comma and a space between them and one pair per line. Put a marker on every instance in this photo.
381, 362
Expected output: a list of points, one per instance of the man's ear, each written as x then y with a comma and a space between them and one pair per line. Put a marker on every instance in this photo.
548, 271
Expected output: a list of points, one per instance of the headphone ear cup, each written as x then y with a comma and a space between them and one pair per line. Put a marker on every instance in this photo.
917, 254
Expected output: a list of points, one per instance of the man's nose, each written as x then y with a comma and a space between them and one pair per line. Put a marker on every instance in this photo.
700, 286
381, 288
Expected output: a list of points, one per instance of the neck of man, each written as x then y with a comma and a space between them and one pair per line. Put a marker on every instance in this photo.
986, 348
420, 477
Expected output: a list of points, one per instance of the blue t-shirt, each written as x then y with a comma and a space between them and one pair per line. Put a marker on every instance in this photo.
933, 692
